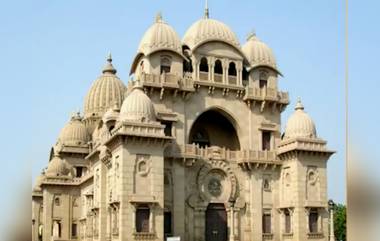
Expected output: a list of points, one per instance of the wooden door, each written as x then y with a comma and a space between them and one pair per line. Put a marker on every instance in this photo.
216, 223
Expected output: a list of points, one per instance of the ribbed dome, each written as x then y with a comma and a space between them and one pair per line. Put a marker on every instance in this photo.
160, 36
137, 106
106, 91
205, 30
58, 167
300, 124
258, 53
74, 133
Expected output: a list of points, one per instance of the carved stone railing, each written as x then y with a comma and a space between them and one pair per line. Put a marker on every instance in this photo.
232, 80
203, 76
287, 235
144, 236
268, 94
218, 78
267, 236
193, 151
315, 235
168, 80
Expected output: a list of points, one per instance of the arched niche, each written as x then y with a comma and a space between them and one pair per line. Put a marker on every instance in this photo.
215, 127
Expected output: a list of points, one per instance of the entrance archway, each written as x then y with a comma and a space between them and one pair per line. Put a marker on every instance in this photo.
216, 222
212, 128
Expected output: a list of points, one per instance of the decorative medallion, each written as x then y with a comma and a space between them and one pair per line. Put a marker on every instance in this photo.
142, 164
214, 187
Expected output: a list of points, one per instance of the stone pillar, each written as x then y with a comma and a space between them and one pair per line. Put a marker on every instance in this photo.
199, 224
332, 235
151, 218
225, 72
133, 209
211, 72
236, 222
231, 225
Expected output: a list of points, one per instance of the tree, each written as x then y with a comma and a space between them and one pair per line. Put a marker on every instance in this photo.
340, 222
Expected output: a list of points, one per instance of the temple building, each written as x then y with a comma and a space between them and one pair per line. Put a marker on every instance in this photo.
191, 147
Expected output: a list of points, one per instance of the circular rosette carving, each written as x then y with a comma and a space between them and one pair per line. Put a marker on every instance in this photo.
217, 182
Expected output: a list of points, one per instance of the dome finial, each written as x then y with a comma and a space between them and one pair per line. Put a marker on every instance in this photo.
109, 57
299, 105
108, 68
251, 34
207, 13
159, 17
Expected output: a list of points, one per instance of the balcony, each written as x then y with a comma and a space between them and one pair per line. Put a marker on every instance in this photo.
315, 235
232, 80
267, 236
218, 78
164, 80
189, 153
266, 94
203, 76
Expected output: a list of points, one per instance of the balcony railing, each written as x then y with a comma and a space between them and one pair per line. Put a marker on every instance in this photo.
203, 76
195, 152
232, 80
266, 94
218, 78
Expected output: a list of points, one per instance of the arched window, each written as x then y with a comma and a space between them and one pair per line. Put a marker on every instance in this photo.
218, 67
232, 73
204, 65
165, 64
232, 69
218, 71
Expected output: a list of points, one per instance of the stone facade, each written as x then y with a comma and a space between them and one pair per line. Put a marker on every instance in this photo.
191, 148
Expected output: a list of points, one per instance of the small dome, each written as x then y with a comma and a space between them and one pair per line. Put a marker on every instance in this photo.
258, 53
300, 124
206, 30
137, 106
111, 114
160, 36
107, 90
39, 180
74, 133
58, 167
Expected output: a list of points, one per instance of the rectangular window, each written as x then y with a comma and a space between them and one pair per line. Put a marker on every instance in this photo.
168, 128
267, 223
266, 138
142, 219
263, 83
79, 171
165, 69
288, 228
74, 231
313, 221
167, 223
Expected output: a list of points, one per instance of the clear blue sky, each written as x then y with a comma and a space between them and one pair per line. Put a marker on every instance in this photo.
52, 51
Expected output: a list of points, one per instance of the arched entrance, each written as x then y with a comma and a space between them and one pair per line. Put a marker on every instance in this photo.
212, 128
216, 222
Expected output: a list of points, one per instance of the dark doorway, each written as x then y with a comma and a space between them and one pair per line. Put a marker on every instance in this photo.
216, 222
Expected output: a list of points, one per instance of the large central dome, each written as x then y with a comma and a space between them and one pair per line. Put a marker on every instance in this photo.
207, 30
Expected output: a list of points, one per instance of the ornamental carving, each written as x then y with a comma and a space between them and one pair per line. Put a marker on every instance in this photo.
143, 164
217, 182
